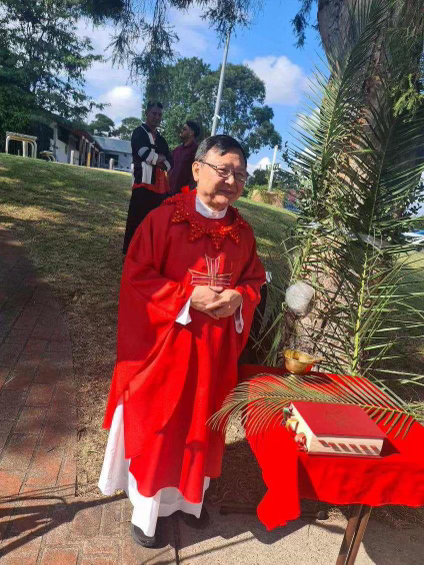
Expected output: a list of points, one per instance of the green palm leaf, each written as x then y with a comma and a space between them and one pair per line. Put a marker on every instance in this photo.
360, 161
259, 402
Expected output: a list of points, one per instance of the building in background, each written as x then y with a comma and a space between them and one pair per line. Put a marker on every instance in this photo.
60, 141
117, 149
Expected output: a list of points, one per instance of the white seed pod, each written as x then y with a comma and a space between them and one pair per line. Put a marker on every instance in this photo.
298, 297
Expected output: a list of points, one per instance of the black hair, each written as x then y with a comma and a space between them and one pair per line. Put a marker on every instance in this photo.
194, 127
153, 104
222, 144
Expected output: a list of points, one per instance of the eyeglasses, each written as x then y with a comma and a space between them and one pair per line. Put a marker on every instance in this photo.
226, 172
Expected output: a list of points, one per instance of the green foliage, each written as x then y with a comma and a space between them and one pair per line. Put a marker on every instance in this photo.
127, 126
14, 102
42, 62
258, 178
362, 164
178, 90
102, 125
301, 20
140, 22
283, 180
188, 90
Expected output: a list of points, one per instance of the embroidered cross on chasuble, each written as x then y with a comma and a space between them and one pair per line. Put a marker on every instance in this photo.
212, 277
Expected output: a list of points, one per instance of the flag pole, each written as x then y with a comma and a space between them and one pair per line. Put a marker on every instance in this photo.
271, 176
220, 86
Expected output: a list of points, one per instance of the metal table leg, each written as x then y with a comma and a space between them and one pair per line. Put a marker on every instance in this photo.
354, 533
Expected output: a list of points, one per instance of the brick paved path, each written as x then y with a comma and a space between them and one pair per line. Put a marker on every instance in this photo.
41, 520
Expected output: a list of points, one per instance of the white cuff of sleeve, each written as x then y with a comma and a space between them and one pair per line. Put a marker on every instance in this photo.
238, 319
167, 165
154, 158
142, 151
184, 317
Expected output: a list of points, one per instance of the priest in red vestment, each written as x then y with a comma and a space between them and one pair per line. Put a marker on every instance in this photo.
190, 285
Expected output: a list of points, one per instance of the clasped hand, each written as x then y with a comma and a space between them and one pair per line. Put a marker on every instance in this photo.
215, 301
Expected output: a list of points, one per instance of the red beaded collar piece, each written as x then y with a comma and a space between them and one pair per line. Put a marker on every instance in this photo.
185, 212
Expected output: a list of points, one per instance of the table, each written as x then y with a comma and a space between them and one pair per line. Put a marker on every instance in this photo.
397, 477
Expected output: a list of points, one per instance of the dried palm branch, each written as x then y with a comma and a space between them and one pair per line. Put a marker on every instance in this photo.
259, 403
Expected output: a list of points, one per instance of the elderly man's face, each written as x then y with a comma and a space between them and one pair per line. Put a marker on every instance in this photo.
213, 188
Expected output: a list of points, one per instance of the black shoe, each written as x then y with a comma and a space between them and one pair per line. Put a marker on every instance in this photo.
197, 523
140, 537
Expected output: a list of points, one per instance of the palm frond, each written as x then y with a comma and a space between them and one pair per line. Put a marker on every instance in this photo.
259, 402
361, 162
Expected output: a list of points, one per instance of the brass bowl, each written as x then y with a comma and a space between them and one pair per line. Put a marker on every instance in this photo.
299, 362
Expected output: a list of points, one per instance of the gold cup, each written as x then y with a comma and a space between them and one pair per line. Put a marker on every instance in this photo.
299, 362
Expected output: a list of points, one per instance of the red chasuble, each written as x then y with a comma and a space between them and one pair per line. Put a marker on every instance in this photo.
174, 377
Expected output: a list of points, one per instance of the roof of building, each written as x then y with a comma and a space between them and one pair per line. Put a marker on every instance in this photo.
115, 145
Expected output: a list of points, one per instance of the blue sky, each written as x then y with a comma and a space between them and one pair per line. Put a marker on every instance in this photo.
267, 47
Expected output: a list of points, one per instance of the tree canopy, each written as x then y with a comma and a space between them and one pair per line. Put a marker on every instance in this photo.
283, 179
188, 90
127, 126
42, 62
141, 22
102, 125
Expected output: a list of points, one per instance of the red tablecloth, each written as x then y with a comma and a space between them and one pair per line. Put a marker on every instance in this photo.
290, 475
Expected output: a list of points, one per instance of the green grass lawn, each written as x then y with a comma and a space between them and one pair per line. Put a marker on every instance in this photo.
71, 221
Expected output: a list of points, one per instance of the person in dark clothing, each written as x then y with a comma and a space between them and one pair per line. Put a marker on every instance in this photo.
181, 174
152, 160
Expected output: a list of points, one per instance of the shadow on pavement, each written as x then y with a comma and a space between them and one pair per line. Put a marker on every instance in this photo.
38, 512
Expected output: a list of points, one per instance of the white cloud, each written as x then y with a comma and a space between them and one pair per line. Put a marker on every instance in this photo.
111, 84
124, 101
261, 164
105, 82
284, 81
191, 17
192, 30
102, 75
100, 36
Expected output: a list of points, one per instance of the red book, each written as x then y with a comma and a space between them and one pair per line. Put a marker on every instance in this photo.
335, 428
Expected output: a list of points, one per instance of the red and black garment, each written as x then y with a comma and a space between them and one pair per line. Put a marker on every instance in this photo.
151, 185
146, 147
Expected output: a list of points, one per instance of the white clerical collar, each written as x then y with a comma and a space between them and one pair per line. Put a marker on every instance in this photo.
208, 212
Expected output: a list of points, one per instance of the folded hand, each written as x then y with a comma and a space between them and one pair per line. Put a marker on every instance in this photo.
226, 304
204, 296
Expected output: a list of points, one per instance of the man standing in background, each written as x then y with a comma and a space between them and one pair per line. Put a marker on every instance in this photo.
152, 159
181, 174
